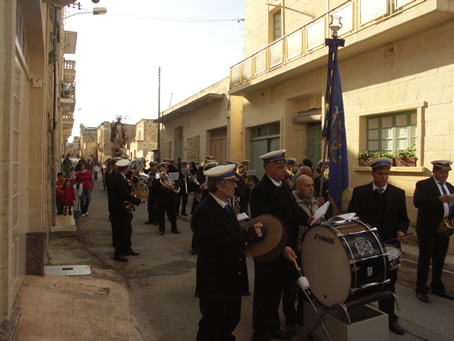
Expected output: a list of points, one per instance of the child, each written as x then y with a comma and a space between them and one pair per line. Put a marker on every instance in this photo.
72, 174
68, 197
59, 192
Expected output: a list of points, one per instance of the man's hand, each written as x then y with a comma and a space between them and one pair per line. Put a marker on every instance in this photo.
444, 198
321, 201
258, 229
400, 235
288, 253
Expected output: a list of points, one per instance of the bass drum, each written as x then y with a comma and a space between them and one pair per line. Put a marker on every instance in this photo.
343, 259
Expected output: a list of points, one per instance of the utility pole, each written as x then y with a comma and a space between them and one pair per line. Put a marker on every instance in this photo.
159, 113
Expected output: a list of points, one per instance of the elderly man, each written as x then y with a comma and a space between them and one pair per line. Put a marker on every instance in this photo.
304, 194
219, 239
433, 198
383, 206
272, 196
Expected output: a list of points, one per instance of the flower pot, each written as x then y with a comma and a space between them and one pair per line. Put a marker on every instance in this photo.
405, 162
364, 162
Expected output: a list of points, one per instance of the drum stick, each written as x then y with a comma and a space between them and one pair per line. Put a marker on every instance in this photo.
296, 264
394, 239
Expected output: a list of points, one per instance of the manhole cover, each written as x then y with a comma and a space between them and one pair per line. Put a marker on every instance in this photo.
67, 270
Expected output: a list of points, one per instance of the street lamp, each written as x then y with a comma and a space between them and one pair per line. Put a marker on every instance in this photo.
96, 11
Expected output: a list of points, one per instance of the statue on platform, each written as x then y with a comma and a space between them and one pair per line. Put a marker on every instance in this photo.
119, 138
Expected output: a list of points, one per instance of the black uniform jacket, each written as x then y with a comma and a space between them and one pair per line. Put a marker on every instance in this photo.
395, 209
219, 239
265, 200
430, 208
121, 193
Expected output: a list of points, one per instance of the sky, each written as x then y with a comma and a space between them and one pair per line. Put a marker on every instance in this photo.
118, 54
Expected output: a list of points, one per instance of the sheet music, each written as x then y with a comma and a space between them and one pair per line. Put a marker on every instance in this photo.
173, 176
320, 212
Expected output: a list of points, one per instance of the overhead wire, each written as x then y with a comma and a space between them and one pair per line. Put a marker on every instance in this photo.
169, 19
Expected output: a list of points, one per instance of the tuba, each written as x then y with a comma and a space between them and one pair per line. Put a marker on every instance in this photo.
161, 174
139, 189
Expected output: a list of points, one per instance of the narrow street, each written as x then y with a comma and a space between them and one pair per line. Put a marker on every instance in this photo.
161, 282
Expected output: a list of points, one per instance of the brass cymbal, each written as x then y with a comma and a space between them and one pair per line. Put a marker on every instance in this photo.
272, 245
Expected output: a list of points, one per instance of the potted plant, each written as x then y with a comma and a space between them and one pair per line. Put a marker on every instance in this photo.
406, 157
364, 158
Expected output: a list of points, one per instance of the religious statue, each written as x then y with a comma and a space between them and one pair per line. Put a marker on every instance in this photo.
119, 138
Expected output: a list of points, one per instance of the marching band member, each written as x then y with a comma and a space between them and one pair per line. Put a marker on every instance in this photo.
120, 217
433, 198
383, 206
220, 240
272, 196
152, 197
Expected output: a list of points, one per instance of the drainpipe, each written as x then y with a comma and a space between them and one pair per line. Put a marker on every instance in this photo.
54, 124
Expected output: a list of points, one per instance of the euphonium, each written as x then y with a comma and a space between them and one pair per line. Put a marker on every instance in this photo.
138, 187
161, 174
242, 173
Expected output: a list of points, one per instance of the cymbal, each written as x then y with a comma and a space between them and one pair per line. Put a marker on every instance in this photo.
272, 245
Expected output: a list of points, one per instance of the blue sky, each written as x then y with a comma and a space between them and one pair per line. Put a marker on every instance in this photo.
118, 54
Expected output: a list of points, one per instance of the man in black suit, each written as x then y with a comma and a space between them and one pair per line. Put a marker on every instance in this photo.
120, 217
383, 206
152, 195
271, 195
433, 198
219, 239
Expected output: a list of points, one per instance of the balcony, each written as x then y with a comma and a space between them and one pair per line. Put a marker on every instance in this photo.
67, 124
366, 24
69, 74
67, 96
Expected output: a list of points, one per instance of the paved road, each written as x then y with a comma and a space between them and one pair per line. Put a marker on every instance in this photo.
161, 282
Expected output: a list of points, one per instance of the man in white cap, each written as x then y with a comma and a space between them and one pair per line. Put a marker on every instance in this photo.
120, 217
383, 206
433, 198
219, 240
272, 195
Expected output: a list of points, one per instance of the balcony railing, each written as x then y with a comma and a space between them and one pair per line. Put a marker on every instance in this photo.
69, 65
68, 90
356, 16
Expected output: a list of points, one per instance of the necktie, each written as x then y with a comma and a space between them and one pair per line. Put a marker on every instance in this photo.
379, 190
444, 192
228, 208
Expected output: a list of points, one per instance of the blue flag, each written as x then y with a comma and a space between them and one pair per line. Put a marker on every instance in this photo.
334, 129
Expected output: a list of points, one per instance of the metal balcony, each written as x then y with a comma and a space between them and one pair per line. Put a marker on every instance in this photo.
366, 24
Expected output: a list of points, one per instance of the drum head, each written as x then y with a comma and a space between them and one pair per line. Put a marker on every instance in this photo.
326, 265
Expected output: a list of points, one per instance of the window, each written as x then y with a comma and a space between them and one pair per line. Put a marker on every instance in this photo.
277, 28
391, 132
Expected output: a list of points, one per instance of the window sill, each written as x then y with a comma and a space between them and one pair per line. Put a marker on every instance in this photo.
413, 170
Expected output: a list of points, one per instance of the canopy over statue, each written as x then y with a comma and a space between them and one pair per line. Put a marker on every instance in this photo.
119, 138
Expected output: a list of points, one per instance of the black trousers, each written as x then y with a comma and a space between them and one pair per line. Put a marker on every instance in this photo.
219, 319
151, 208
387, 306
121, 231
435, 249
183, 199
167, 203
270, 280
59, 205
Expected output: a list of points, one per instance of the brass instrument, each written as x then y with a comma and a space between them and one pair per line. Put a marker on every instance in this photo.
139, 189
242, 173
446, 227
161, 174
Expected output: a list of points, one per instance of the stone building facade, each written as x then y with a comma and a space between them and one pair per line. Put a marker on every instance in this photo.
145, 142
88, 147
36, 116
397, 80
103, 142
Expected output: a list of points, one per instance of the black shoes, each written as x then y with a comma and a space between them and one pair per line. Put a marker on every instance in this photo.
120, 258
422, 296
175, 231
442, 293
280, 335
148, 222
184, 214
395, 328
161, 232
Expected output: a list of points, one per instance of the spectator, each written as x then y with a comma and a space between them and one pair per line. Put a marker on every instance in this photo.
84, 180
68, 197
59, 191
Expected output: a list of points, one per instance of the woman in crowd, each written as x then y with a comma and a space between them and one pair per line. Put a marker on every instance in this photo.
84, 180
